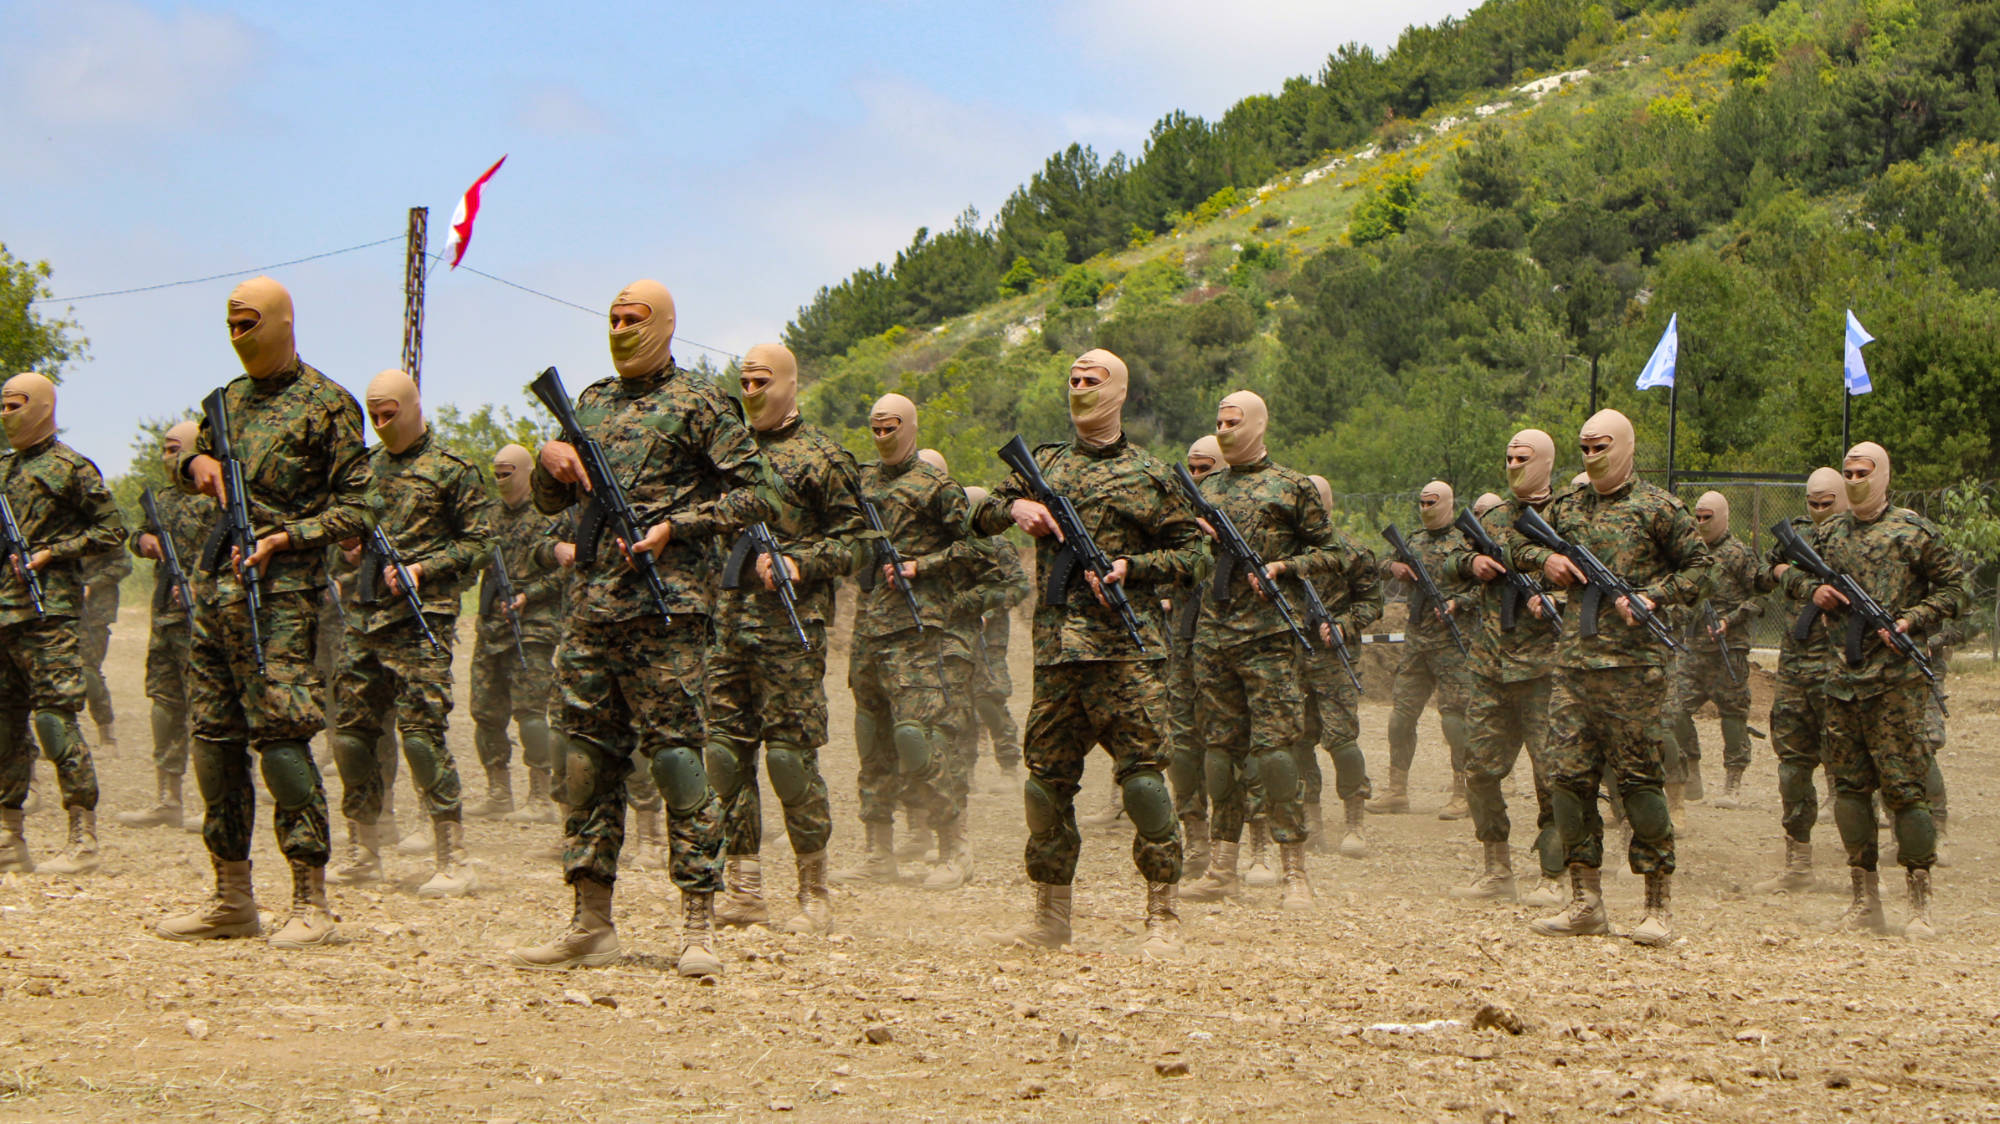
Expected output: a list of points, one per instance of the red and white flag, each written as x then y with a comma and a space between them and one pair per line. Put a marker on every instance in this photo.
467, 210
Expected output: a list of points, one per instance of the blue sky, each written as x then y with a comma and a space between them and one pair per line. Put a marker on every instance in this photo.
743, 154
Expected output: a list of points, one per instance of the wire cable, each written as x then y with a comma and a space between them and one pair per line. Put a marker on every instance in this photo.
213, 276
578, 307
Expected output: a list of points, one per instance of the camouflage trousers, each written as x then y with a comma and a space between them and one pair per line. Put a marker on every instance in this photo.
638, 687
167, 646
1798, 730
1699, 677
41, 685
962, 675
1121, 705
905, 722
1333, 723
100, 611
1251, 713
1422, 672
1878, 743
1501, 718
1606, 722
764, 689
992, 686
394, 670
502, 690
235, 709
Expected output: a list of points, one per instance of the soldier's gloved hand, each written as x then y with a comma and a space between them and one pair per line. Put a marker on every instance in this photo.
1486, 569
770, 577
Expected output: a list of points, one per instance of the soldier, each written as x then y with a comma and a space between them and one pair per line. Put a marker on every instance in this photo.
992, 682
630, 681
187, 518
1875, 712
434, 509
64, 514
101, 575
1092, 683
904, 720
975, 587
1699, 675
1332, 715
306, 477
1798, 701
512, 676
1431, 660
1251, 708
1510, 674
766, 688
1605, 713
1186, 771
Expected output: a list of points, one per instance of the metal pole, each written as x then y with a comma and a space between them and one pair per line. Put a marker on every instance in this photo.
1593, 384
1673, 418
413, 294
1846, 418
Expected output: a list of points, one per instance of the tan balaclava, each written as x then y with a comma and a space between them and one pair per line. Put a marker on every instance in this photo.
268, 347
1611, 469
511, 466
1486, 502
1579, 480
1325, 489
897, 447
1204, 456
644, 348
1437, 516
32, 419
1868, 497
777, 401
1243, 444
936, 460
975, 495
407, 423
179, 438
1717, 527
1826, 484
1530, 482
1096, 411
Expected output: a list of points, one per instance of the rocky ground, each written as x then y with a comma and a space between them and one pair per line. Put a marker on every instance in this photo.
1366, 1008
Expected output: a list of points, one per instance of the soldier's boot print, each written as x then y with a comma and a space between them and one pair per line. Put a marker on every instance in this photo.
1585, 914
589, 942
742, 901
1864, 903
1919, 927
1495, 881
1298, 888
815, 915
312, 922
361, 862
499, 794
698, 957
1353, 843
1110, 813
954, 865
537, 808
1194, 834
879, 864
230, 912
1456, 808
1315, 828
1047, 926
1396, 797
454, 876
1163, 923
1732, 790
79, 854
14, 843
1258, 872
1657, 927
1219, 881
166, 809
1797, 877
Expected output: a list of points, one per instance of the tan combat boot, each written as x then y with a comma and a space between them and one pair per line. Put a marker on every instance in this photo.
363, 861
1219, 881
1298, 889
165, 812
1456, 808
698, 936
1397, 797
1732, 790
589, 942
1316, 828
1694, 788
232, 912
918, 839
14, 843
742, 901
1495, 881
1797, 876
1919, 927
79, 856
1048, 927
1259, 871
1585, 915
1657, 927
454, 876
1353, 843
1546, 891
1163, 923
1194, 836
815, 915
499, 794
954, 865
311, 922
1112, 811
879, 865
1864, 905
537, 808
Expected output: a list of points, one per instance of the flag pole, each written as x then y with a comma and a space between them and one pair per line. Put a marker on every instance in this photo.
1846, 416
1673, 417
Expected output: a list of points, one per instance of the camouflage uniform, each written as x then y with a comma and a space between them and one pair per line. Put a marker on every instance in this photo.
1798, 700
341, 616
1605, 709
992, 683
1699, 676
980, 590
1251, 709
629, 682
502, 688
63, 507
101, 575
1092, 685
434, 507
1430, 662
1332, 706
1187, 771
187, 518
764, 687
299, 436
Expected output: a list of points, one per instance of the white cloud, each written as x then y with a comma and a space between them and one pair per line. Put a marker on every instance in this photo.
559, 111
117, 63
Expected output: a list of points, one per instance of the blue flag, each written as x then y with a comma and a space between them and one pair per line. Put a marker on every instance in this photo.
1856, 369
1659, 370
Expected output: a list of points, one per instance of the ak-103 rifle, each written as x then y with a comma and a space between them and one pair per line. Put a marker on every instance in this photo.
1317, 615
755, 541
1237, 553
1864, 613
16, 546
886, 557
170, 557
1600, 584
1079, 553
1432, 597
233, 530
1519, 589
1714, 627
501, 591
381, 552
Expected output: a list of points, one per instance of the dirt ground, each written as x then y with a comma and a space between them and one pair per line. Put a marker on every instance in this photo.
1757, 1012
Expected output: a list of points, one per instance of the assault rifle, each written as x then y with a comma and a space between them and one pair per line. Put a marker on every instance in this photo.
1317, 615
1599, 582
1430, 596
1519, 588
886, 555
169, 556
501, 590
1714, 628
1079, 553
233, 529
1237, 553
757, 540
1863, 611
16, 547
381, 552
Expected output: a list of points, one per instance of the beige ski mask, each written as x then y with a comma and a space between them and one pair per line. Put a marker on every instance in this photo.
894, 410
1867, 497
1610, 468
1434, 505
1529, 480
511, 468
1716, 527
29, 404
645, 348
774, 401
267, 346
1247, 418
1097, 411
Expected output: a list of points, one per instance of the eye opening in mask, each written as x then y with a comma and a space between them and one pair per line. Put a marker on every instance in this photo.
882, 431
1592, 446
1516, 460
754, 382
1819, 503
1852, 472
383, 411
625, 316
1083, 378
1427, 501
241, 324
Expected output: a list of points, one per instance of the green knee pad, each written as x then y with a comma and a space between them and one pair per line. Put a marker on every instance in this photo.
1220, 772
867, 732
353, 755
290, 774
56, 730
991, 711
681, 779
210, 772
913, 748
1151, 809
725, 773
535, 742
1572, 817
491, 743
1916, 837
1646, 810
1455, 734
790, 778
1279, 774
1855, 813
1042, 805
421, 748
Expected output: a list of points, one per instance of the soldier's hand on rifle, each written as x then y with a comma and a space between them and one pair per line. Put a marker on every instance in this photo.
1562, 572
39, 559
1034, 518
1119, 568
1205, 528
350, 550
389, 578
149, 546
1486, 569
519, 602
260, 556
206, 472
1829, 598
559, 460
908, 571
1271, 572
765, 572
1625, 607
1326, 632
1902, 626
1721, 627
565, 554
1402, 572
654, 541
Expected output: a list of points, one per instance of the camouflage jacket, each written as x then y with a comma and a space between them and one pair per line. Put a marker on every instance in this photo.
924, 515
1806, 659
1435, 549
1528, 651
434, 507
1014, 586
299, 434
521, 533
683, 458
1903, 562
1352, 592
63, 507
109, 568
1277, 511
1646, 536
817, 522
1732, 592
1132, 507
189, 518
980, 588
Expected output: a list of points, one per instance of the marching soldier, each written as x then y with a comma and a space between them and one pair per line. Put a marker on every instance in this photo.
1431, 663
1353, 595
1699, 675
1186, 770
102, 574
992, 683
